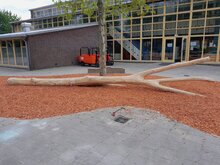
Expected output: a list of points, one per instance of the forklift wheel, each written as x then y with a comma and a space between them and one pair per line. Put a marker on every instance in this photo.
97, 64
110, 63
82, 64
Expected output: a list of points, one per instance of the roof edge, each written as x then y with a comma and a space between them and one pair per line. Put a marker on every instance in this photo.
42, 7
44, 31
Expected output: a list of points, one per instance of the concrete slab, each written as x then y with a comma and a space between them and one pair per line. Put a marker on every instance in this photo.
109, 70
94, 138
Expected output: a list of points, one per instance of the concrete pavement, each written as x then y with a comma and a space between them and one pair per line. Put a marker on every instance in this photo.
94, 138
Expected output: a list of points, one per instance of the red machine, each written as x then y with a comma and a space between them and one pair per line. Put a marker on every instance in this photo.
90, 56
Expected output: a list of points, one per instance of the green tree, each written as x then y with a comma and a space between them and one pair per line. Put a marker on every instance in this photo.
5, 18
102, 8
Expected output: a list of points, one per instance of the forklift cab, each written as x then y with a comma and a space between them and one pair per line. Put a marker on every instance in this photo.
94, 51
89, 51
84, 50
88, 56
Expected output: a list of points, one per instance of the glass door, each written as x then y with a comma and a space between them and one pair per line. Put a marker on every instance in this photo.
183, 49
169, 49
218, 51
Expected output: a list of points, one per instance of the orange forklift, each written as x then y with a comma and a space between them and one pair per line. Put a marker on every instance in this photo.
90, 56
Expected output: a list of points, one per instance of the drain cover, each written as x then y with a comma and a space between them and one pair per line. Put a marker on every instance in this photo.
186, 75
121, 119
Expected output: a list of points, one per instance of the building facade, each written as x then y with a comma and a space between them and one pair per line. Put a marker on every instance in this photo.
46, 48
175, 30
49, 17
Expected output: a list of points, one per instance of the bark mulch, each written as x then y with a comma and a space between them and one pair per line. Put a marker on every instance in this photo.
28, 102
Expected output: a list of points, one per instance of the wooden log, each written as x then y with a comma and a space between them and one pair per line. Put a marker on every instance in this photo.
174, 66
104, 80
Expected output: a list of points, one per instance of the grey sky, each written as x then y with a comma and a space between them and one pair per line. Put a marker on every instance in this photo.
21, 7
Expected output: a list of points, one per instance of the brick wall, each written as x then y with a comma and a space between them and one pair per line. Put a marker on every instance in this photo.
60, 48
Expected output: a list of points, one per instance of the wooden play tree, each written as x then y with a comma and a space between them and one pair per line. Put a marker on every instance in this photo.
137, 78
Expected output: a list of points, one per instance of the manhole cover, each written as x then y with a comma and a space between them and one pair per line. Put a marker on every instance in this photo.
121, 119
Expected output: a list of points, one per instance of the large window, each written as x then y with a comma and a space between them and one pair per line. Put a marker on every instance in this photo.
196, 48
24, 52
213, 22
199, 5
169, 48
117, 50
147, 27
135, 49
211, 47
126, 50
13, 53
185, 7
0, 53
213, 13
213, 4
55, 22
212, 30
10, 53
171, 9
146, 49
45, 24
110, 47
157, 49
4, 52
18, 52
183, 16
158, 10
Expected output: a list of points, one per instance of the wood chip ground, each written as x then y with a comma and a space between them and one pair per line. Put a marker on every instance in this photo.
28, 102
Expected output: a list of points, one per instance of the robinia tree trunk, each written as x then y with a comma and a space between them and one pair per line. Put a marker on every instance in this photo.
138, 78
102, 38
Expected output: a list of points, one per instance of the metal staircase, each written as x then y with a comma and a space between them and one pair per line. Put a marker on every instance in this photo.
135, 52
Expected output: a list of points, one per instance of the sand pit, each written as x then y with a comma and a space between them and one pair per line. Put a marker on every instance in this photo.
28, 102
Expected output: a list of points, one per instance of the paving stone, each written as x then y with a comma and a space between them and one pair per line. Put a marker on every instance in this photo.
158, 161
111, 159
144, 152
91, 157
134, 159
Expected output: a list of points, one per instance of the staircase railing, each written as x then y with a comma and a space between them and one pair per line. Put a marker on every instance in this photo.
127, 44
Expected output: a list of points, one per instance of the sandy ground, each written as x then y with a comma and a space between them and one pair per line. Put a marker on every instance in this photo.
28, 102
